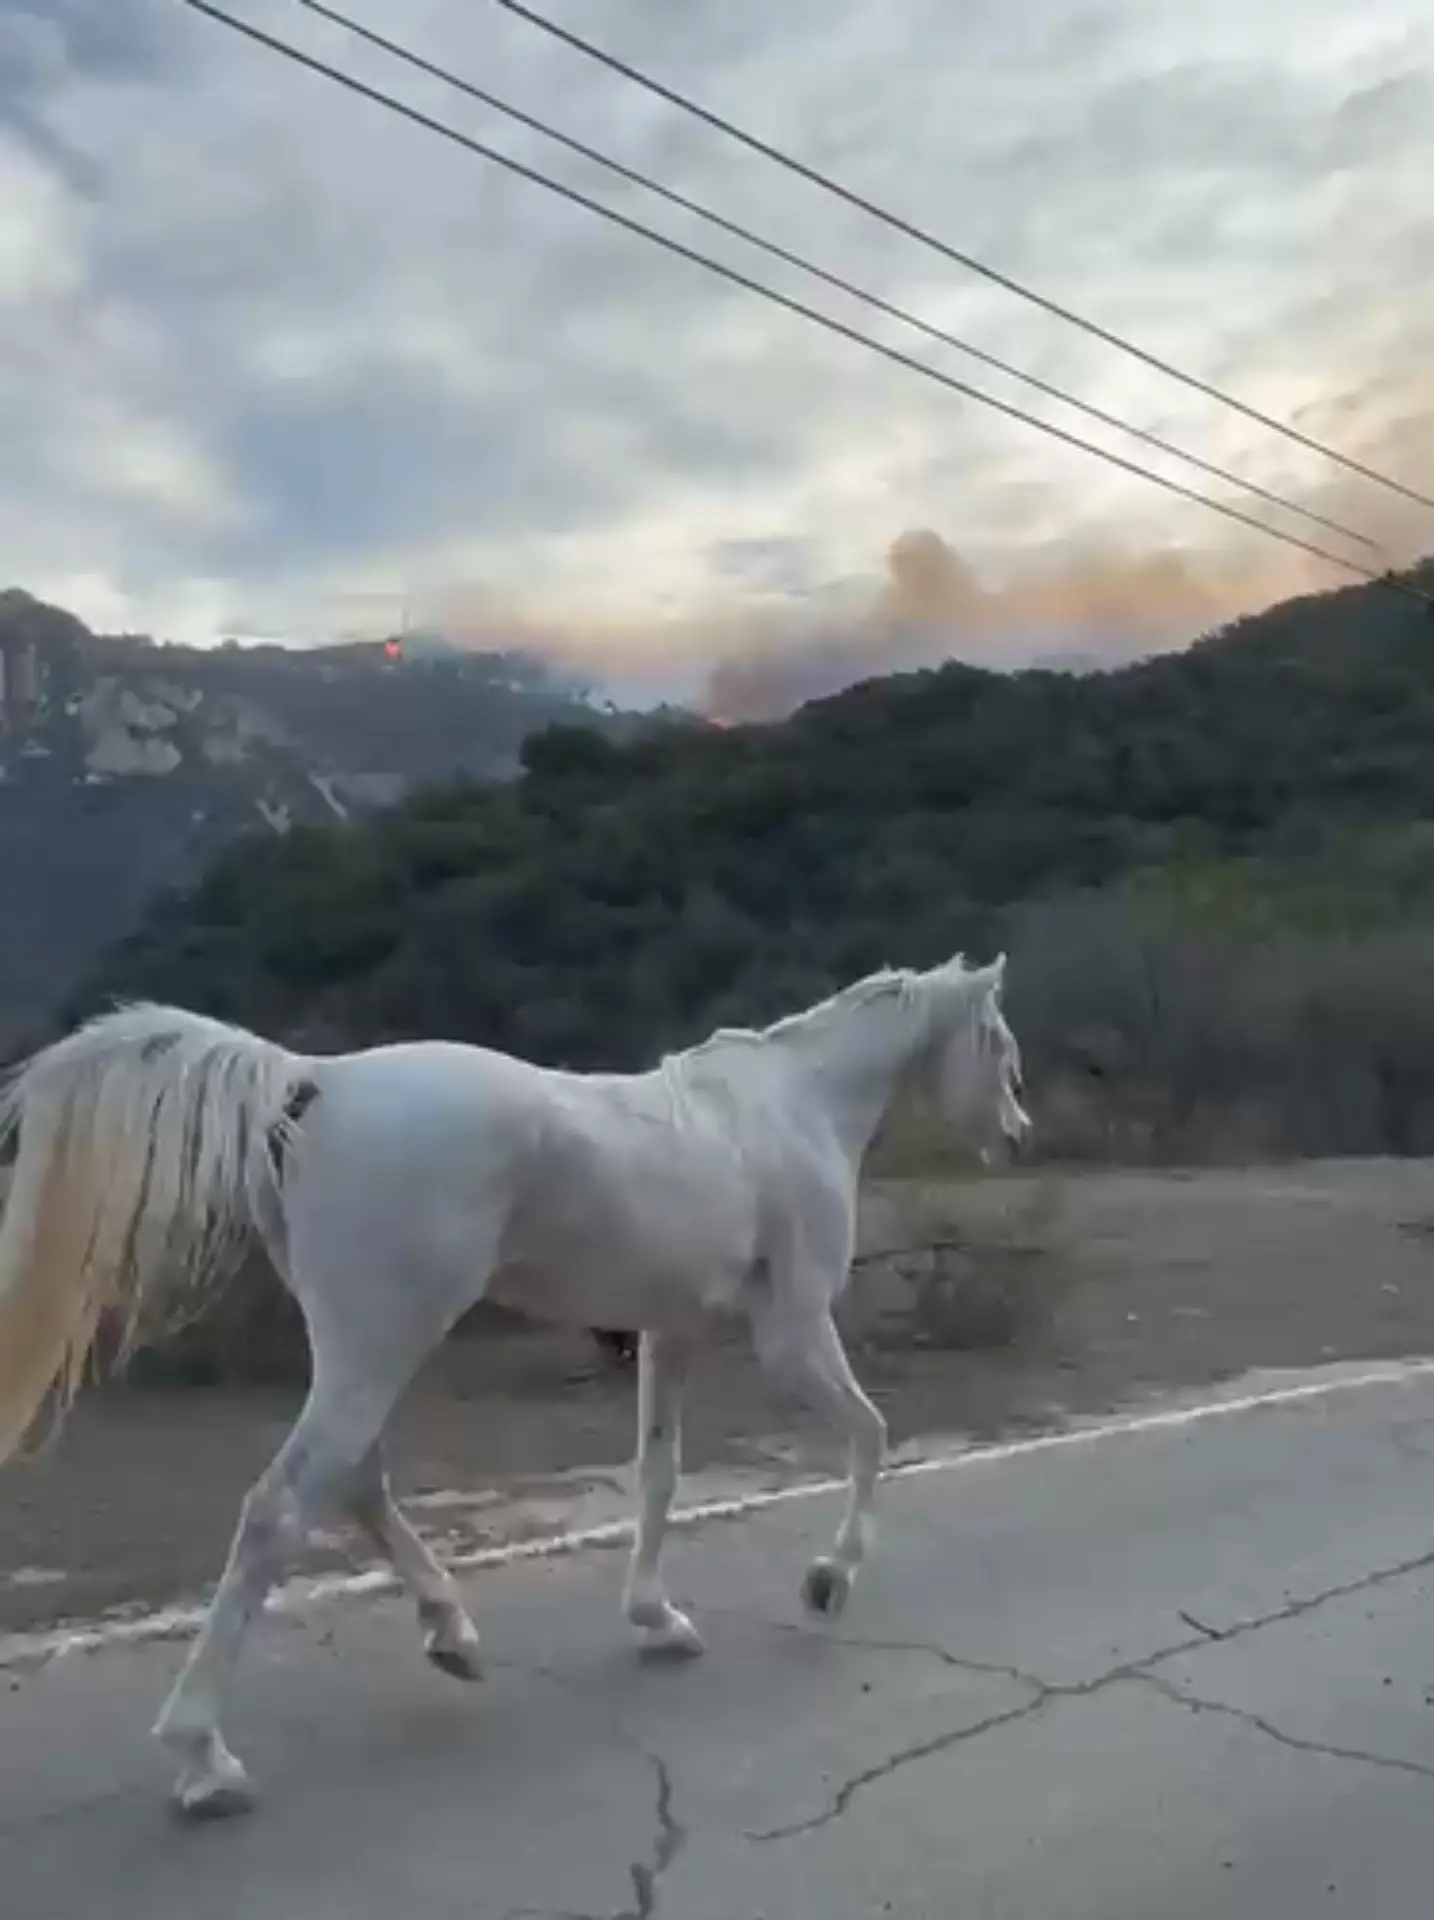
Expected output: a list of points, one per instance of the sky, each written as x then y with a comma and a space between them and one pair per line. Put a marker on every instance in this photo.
275, 362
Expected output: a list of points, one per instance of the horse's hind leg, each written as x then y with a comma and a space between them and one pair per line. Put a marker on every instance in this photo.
663, 1362
307, 1484
361, 1364
450, 1639
212, 1782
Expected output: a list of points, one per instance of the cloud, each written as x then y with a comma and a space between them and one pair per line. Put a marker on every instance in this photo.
265, 348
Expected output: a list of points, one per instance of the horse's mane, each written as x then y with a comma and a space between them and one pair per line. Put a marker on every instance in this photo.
900, 982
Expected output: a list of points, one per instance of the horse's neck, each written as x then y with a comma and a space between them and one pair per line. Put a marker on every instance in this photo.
855, 1057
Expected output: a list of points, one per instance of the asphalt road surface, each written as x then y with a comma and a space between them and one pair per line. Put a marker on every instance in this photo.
1180, 1671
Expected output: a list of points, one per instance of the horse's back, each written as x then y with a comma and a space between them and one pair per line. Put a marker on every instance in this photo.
409, 1154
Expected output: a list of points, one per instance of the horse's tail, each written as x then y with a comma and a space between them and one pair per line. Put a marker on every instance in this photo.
147, 1151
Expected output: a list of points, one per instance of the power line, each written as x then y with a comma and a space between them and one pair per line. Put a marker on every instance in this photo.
969, 261
287, 50
637, 178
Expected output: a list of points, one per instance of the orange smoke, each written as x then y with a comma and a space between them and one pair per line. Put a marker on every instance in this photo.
1064, 604
1077, 610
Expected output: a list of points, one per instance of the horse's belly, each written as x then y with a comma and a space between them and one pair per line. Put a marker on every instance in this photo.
624, 1222
579, 1296
662, 1256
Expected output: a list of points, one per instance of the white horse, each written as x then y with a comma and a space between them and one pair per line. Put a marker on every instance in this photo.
395, 1187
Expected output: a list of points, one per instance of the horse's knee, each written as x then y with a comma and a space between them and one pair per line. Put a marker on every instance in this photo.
270, 1523
657, 1463
870, 1431
330, 1472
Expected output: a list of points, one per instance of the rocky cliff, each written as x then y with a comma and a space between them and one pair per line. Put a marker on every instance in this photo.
124, 763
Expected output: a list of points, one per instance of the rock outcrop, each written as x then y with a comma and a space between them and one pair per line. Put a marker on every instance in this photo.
124, 764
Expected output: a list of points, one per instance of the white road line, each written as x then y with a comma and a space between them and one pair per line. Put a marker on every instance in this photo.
178, 1623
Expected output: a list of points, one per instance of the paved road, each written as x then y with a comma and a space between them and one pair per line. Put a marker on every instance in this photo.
1179, 1672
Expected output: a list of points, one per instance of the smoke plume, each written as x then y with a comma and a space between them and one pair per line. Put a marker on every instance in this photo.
1064, 605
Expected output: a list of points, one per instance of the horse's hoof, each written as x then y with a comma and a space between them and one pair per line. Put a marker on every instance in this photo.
220, 1793
461, 1661
667, 1632
826, 1588
675, 1639
451, 1641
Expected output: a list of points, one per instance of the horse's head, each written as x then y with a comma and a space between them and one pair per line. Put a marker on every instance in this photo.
976, 1061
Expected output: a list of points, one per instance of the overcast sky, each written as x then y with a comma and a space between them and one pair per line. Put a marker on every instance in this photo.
272, 359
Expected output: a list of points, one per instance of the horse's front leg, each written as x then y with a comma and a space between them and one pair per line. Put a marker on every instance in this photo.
663, 1362
804, 1356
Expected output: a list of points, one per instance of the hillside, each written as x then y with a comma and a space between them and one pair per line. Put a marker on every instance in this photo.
626, 896
125, 766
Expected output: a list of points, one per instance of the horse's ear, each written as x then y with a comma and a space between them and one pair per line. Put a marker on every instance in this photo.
996, 974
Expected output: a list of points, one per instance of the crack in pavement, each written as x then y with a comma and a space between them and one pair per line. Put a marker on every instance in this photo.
1403, 1437
939, 1743
1046, 1692
1210, 1633
812, 1631
646, 1871
1295, 1609
1200, 1703
666, 1846
71, 1809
